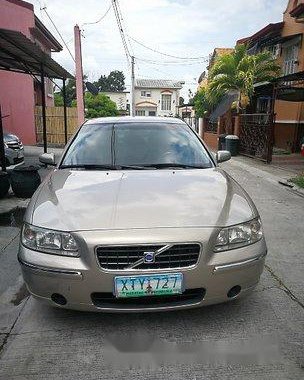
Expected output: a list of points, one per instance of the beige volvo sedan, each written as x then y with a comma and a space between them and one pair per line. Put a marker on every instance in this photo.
138, 216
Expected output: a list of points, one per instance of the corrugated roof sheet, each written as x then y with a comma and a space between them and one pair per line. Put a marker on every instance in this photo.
158, 83
20, 54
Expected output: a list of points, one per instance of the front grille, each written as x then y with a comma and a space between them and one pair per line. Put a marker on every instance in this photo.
189, 296
123, 257
14, 145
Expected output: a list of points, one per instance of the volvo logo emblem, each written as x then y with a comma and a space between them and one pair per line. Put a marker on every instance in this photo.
149, 257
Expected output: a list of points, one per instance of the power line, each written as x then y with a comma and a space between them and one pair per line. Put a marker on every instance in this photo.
100, 19
121, 31
123, 23
165, 54
62, 39
167, 63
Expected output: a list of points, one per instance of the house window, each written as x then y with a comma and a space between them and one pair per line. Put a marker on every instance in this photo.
152, 113
145, 94
140, 113
275, 50
290, 59
166, 102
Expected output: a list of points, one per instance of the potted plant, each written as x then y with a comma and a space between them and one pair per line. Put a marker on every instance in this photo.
25, 180
4, 184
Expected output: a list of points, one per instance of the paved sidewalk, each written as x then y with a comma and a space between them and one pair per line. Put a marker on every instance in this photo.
269, 172
291, 162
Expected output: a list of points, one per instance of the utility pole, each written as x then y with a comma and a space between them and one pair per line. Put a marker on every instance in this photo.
79, 75
132, 87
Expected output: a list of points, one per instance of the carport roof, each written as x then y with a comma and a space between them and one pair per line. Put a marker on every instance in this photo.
19, 54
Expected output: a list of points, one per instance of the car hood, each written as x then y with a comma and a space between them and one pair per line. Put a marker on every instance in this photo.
10, 137
73, 200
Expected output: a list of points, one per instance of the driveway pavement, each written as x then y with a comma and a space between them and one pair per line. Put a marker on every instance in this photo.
259, 337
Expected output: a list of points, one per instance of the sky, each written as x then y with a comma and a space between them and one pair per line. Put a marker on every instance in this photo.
182, 28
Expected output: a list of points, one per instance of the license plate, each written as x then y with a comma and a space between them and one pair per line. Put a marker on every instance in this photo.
148, 285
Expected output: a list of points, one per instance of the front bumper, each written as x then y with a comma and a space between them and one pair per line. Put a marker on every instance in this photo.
14, 156
77, 279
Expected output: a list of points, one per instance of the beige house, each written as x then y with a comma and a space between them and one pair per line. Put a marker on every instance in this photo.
157, 97
121, 100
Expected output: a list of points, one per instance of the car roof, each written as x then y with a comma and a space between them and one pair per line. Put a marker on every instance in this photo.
137, 119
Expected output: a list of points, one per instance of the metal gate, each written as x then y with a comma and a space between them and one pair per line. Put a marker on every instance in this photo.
192, 121
257, 135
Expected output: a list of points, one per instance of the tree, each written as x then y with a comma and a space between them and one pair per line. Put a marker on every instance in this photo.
201, 102
58, 99
114, 82
70, 90
191, 96
98, 106
240, 71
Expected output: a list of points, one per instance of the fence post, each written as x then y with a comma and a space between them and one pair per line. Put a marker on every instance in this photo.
237, 125
201, 127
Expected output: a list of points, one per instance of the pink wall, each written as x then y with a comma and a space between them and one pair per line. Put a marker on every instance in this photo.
16, 90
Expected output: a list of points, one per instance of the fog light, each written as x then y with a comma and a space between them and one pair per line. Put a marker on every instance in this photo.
233, 292
58, 299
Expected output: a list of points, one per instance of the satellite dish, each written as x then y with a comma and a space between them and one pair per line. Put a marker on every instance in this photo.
92, 88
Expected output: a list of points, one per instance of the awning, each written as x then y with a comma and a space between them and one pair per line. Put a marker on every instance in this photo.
298, 76
19, 54
291, 94
224, 105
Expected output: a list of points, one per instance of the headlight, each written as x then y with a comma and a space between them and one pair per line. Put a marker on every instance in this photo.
48, 241
239, 235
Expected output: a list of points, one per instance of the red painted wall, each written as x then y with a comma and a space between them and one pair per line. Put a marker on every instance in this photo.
16, 90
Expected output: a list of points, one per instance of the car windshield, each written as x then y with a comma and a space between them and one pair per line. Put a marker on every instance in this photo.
136, 145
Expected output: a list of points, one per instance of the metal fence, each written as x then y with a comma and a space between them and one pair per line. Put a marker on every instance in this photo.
256, 135
210, 127
193, 122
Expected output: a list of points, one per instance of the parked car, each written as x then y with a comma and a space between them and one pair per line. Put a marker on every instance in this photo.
13, 147
138, 216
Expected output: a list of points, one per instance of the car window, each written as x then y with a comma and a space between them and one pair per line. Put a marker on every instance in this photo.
157, 143
136, 144
92, 146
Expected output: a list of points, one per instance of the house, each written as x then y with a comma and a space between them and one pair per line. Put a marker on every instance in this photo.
217, 52
284, 40
120, 98
157, 97
19, 93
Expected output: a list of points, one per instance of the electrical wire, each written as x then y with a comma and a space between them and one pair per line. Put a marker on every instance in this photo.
167, 63
121, 31
165, 54
62, 39
126, 29
100, 19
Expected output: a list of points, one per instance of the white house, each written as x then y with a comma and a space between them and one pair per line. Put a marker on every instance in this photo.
120, 98
157, 97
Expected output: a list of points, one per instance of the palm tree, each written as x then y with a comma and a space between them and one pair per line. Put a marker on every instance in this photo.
240, 71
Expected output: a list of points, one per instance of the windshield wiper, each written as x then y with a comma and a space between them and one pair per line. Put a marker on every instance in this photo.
180, 166
136, 167
90, 167
105, 167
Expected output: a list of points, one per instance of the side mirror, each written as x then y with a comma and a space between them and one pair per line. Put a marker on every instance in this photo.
47, 158
222, 156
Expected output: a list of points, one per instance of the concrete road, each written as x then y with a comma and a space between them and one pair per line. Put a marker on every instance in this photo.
259, 337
